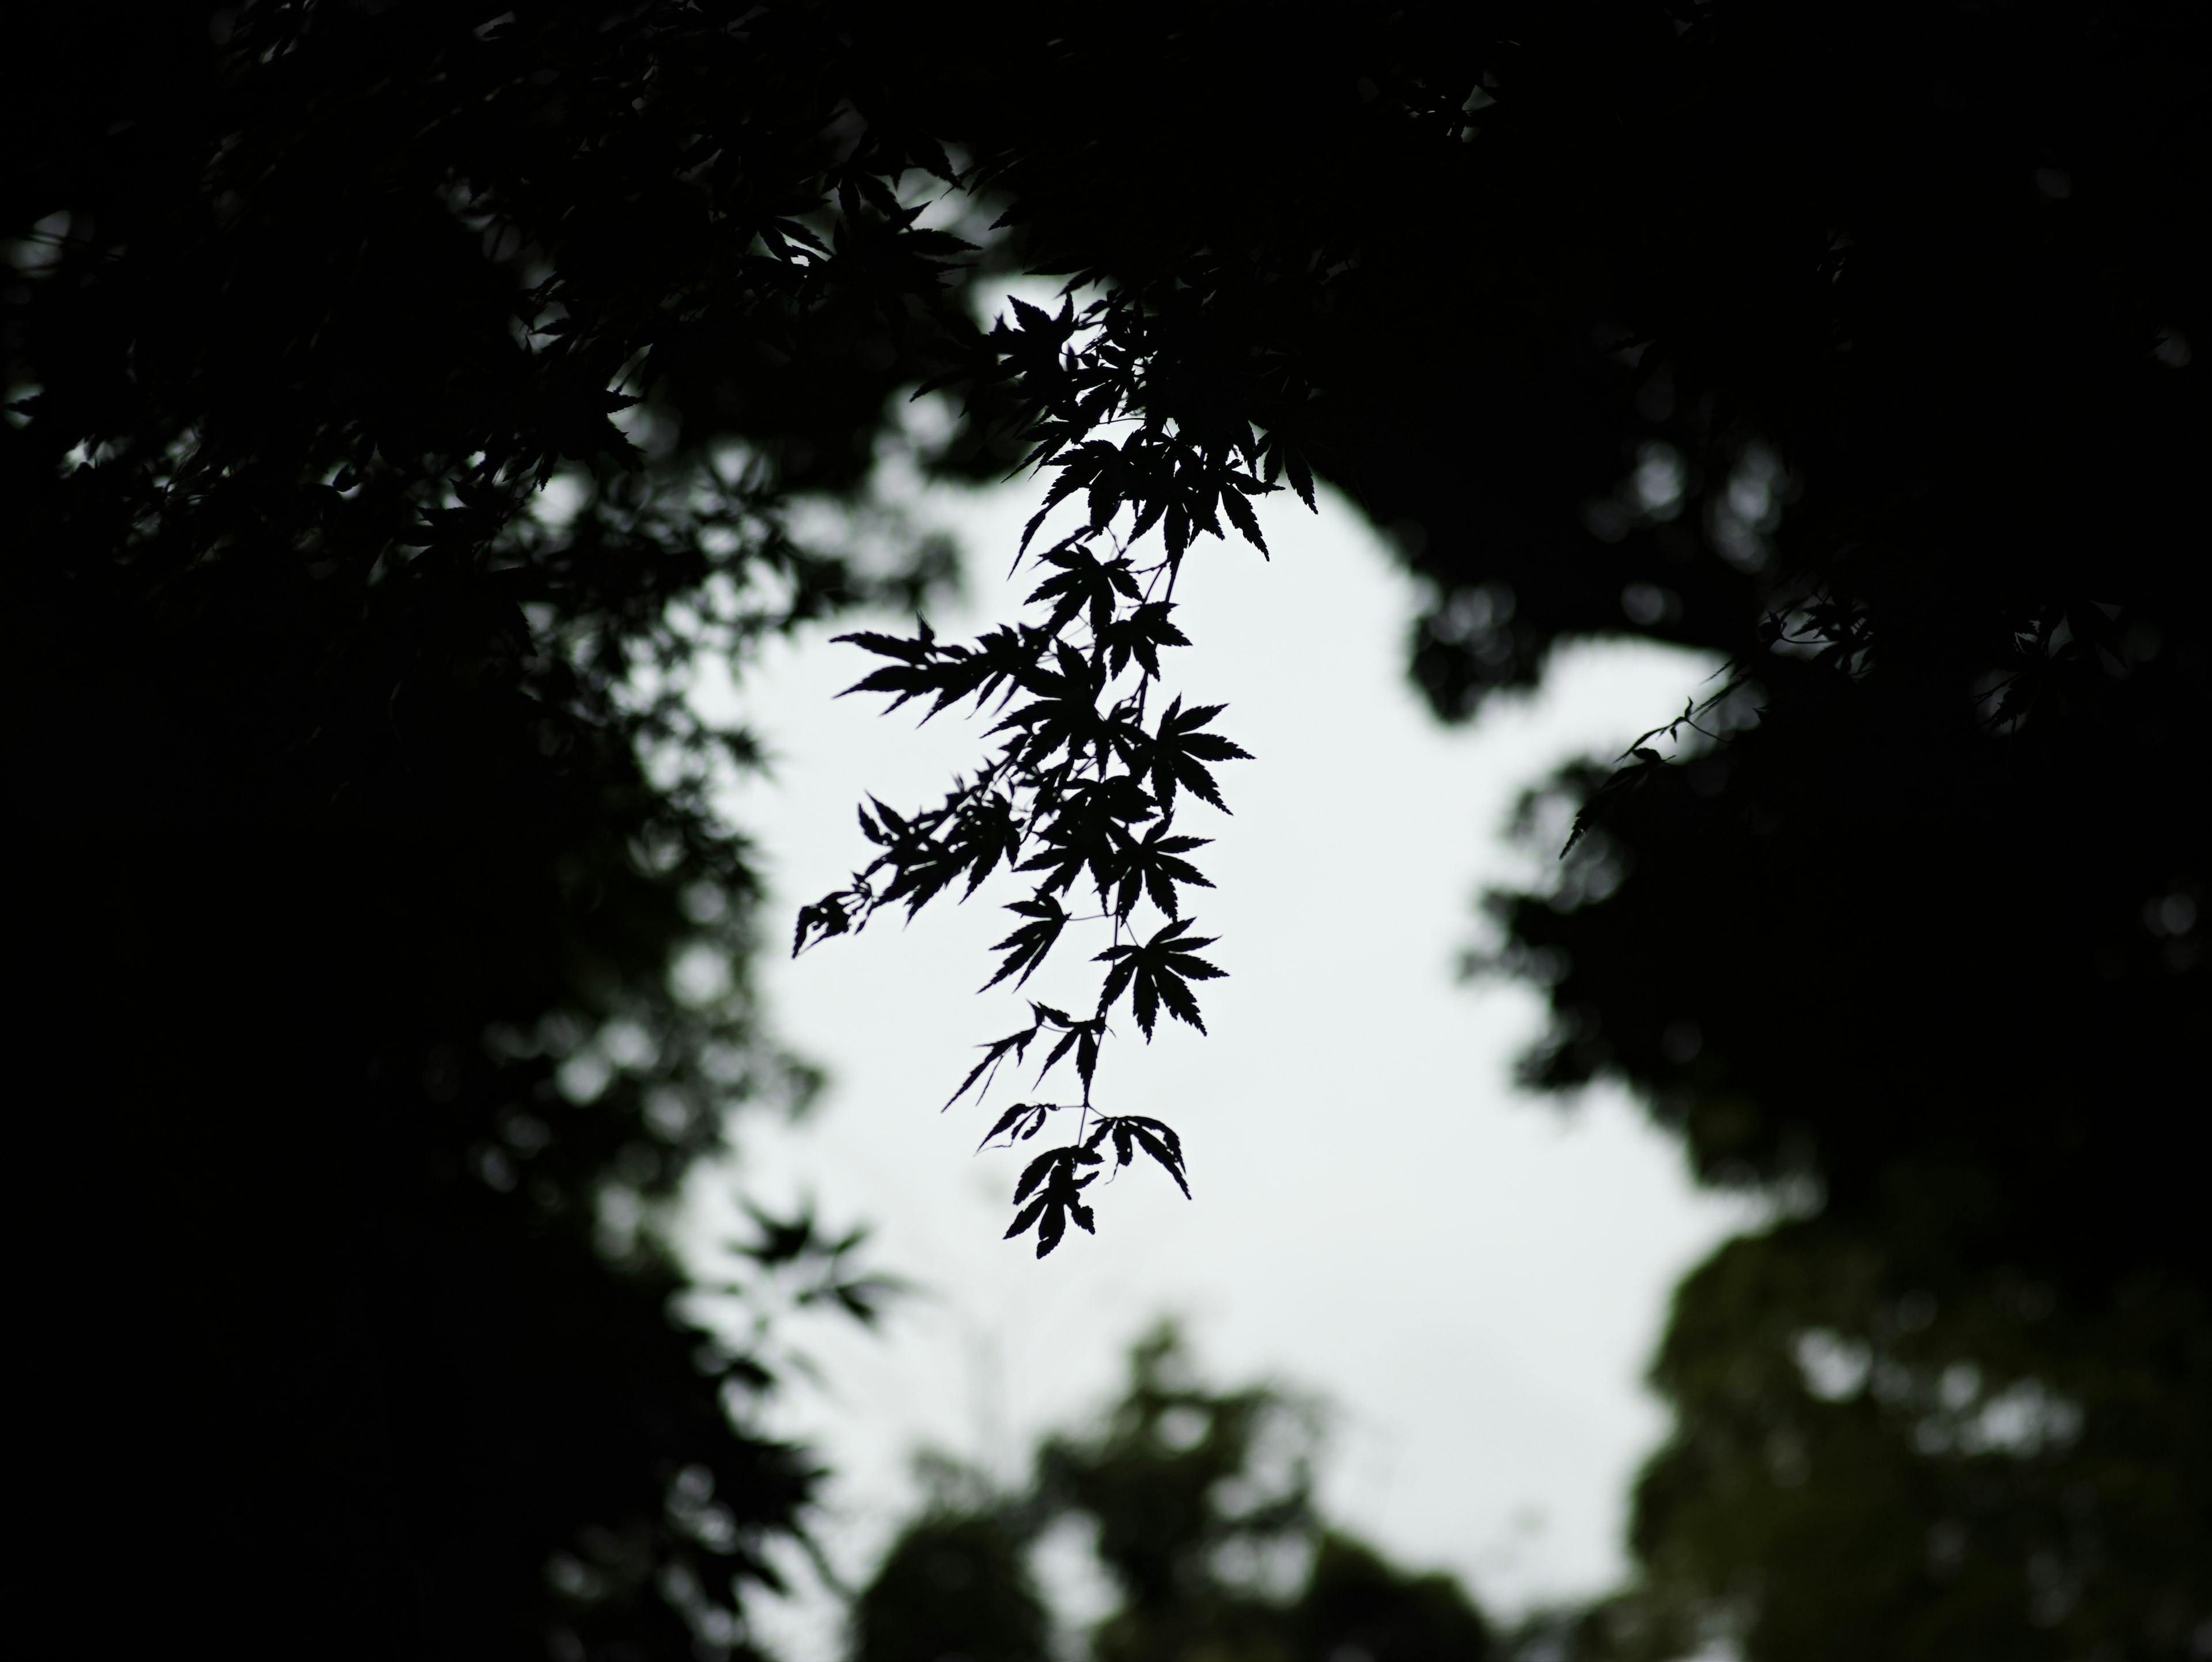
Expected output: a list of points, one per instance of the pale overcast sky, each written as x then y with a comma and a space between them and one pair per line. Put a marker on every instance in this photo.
1471, 1278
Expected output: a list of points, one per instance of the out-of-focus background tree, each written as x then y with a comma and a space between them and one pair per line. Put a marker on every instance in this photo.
387, 963
1197, 1504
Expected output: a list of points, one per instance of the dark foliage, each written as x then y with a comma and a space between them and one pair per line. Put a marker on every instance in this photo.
1199, 1506
360, 821
1917, 1464
955, 1584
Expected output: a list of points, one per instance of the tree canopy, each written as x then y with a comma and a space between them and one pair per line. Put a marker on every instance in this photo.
363, 825
372, 883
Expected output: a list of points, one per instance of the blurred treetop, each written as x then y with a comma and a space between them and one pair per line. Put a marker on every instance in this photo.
1199, 1506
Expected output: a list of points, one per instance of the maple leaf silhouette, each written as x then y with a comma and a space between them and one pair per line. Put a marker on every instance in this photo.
1158, 972
1084, 783
1177, 754
1025, 948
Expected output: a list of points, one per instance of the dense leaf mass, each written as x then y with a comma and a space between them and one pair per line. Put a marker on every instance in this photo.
385, 963
1198, 1506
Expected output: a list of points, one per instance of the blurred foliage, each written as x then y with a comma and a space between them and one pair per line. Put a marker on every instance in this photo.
955, 1584
400, 400
1198, 1506
1871, 1459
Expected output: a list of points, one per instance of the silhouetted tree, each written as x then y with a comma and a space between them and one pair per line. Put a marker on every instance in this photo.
382, 967
1877, 1455
1198, 1504
956, 1583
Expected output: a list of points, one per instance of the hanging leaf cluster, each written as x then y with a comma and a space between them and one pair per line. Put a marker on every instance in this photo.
1094, 761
